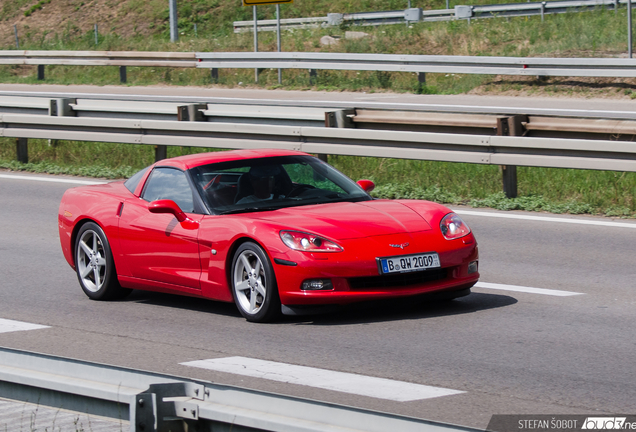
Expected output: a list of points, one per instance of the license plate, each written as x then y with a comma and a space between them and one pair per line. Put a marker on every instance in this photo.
409, 263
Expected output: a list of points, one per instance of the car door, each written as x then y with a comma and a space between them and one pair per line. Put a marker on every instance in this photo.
156, 246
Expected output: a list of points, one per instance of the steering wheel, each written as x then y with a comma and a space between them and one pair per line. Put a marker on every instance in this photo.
299, 189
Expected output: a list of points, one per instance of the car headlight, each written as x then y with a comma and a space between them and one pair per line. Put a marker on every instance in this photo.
453, 227
306, 242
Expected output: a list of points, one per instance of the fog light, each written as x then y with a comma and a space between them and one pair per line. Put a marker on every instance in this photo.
472, 267
317, 284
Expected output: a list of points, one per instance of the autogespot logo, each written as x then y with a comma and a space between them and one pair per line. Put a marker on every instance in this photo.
607, 423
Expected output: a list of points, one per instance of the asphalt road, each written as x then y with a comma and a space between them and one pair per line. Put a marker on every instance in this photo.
509, 352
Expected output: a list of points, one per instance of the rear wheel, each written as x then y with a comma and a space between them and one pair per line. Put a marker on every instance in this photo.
254, 284
95, 266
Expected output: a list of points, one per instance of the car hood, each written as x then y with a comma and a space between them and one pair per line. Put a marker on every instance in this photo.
347, 220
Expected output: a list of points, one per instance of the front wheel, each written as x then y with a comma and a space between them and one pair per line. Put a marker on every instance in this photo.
254, 284
95, 266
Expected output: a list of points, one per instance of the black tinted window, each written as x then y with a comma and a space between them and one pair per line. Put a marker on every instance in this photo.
131, 183
272, 183
172, 184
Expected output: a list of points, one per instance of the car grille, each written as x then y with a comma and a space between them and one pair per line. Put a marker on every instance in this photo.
397, 280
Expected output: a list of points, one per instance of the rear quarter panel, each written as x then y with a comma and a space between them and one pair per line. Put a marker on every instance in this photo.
100, 204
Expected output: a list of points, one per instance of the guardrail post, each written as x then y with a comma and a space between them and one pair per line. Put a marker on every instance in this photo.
255, 39
278, 43
214, 75
62, 107
192, 112
334, 19
144, 409
313, 76
413, 15
542, 10
421, 81
338, 119
161, 152
122, 74
463, 12
509, 177
40, 72
17, 40
22, 150
174, 21
510, 126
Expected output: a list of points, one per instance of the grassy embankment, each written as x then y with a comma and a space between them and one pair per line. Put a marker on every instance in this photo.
595, 34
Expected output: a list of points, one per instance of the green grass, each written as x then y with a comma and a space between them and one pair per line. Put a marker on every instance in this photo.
540, 189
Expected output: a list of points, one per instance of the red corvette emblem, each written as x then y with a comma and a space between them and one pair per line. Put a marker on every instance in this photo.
401, 246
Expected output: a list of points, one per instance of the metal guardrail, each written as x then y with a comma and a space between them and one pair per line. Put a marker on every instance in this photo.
482, 121
588, 67
123, 108
98, 58
532, 66
159, 403
600, 154
420, 15
23, 97
535, 8
489, 138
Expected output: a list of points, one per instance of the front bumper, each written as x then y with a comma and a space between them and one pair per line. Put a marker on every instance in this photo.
354, 275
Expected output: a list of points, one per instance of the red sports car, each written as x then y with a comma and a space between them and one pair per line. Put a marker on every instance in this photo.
271, 230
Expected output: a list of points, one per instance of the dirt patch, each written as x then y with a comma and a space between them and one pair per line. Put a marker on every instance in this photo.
586, 87
72, 18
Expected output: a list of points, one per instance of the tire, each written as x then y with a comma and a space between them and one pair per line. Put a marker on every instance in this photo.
254, 284
95, 266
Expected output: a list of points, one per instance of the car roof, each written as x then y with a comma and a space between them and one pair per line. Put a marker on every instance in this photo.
195, 160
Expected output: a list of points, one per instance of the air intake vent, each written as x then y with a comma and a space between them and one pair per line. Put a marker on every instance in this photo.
398, 280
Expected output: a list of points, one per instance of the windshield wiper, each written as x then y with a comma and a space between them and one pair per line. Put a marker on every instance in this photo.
337, 198
249, 210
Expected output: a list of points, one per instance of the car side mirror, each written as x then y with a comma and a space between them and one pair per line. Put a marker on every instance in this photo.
366, 185
171, 207
167, 206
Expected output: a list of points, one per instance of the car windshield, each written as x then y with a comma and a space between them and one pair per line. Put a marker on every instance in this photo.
272, 183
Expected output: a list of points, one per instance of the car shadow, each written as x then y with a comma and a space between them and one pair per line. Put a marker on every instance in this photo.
183, 302
404, 309
410, 308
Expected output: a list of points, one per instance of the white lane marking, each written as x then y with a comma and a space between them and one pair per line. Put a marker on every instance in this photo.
380, 388
52, 179
546, 219
7, 326
530, 290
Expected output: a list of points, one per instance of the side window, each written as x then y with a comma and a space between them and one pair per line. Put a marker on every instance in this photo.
131, 183
172, 184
